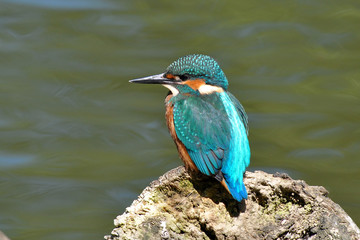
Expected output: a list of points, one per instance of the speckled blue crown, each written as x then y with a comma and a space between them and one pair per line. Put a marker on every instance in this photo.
199, 66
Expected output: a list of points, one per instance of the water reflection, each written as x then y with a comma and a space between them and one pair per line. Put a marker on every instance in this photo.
8, 161
66, 4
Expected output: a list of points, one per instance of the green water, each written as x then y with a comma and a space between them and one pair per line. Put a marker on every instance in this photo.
78, 143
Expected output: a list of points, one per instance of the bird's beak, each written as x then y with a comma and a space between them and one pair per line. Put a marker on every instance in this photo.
154, 79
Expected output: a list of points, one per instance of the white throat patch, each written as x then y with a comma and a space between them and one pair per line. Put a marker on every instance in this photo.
173, 90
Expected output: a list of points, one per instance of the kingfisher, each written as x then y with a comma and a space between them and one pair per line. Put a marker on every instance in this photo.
207, 123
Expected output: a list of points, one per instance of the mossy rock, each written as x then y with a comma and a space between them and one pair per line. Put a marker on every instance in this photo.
180, 206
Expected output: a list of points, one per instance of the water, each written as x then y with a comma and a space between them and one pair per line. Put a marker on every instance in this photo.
78, 143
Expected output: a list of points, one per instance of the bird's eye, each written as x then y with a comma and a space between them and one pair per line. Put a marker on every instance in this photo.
184, 77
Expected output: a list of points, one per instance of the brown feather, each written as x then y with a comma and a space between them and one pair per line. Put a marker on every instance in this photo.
195, 84
225, 185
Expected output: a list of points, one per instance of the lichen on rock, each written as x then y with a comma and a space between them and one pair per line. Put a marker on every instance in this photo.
180, 206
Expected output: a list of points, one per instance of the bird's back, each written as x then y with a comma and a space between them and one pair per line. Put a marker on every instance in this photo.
210, 132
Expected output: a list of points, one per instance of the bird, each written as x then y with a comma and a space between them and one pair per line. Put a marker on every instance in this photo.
207, 123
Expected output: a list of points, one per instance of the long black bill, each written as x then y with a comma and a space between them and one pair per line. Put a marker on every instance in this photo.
154, 79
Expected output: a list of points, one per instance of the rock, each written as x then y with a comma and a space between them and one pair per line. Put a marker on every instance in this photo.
177, 206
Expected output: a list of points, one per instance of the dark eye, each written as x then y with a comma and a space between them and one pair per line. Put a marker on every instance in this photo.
184, 77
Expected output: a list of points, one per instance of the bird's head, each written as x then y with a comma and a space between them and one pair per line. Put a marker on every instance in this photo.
191, 74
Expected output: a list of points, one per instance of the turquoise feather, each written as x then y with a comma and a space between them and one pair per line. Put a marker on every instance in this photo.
239, 150
213, 129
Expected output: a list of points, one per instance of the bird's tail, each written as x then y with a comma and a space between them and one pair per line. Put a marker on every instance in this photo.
238, 191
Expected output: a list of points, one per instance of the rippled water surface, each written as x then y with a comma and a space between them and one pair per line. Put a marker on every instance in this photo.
78, 143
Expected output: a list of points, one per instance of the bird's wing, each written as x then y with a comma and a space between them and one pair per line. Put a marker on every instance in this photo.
241, 111
202, 125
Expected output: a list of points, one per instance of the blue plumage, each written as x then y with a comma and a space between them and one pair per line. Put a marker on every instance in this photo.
239, 150
207, 123
213, 130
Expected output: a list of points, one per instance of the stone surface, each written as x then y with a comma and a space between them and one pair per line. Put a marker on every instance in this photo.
177, 206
